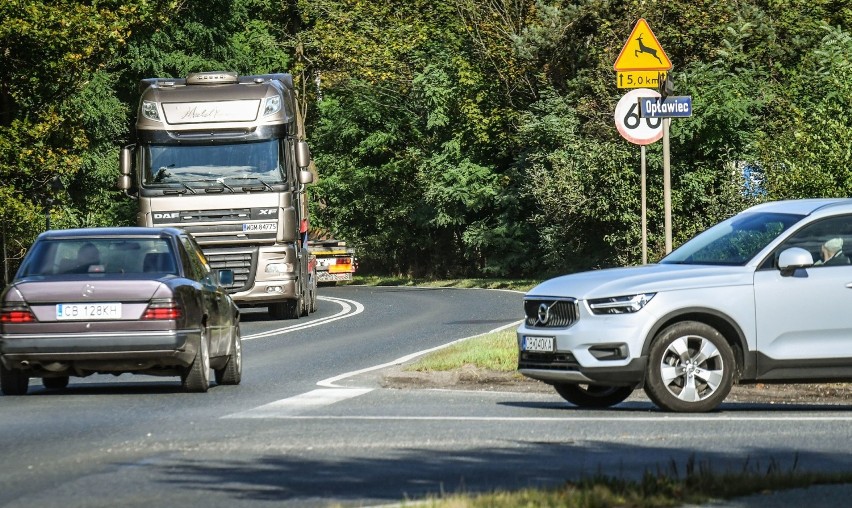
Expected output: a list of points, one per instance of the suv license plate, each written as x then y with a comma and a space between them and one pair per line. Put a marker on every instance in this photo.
540, 344
88, 311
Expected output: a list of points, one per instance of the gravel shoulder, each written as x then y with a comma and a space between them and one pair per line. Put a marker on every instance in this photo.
472, 378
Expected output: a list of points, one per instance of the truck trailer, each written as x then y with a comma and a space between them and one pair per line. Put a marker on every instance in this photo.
335, 261
224, 157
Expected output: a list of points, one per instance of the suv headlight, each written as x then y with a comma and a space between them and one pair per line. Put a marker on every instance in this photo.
620, 304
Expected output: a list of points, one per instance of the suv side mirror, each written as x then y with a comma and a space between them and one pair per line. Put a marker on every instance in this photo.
792, 259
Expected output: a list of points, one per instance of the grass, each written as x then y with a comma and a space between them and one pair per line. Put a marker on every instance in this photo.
697, 483
496, 351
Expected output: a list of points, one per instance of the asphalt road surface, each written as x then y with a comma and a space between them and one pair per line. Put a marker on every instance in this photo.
311, 426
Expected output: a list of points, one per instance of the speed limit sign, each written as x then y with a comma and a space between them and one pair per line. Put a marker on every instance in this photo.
637, 130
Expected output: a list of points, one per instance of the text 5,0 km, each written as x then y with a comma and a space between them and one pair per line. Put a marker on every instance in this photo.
633, 128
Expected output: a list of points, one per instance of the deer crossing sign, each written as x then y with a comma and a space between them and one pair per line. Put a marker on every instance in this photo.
642, 52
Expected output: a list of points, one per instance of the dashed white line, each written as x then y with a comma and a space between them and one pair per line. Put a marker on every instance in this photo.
293, 406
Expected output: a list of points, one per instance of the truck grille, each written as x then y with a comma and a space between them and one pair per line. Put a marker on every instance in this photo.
240, 260
550, 312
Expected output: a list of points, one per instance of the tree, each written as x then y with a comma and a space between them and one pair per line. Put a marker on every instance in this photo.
49, 53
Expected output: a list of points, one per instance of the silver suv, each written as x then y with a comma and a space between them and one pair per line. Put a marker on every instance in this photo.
765, 296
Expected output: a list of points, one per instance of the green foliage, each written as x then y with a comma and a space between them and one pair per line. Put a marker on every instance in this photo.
451, 138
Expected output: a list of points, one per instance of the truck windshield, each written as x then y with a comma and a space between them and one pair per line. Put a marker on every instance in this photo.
733, 242
204, 165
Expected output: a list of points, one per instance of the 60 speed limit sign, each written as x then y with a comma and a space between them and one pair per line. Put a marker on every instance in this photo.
637, 130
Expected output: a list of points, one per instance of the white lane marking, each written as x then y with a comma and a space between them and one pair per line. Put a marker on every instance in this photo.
331, 393
330, 382
565, 419
345, 312
293, 406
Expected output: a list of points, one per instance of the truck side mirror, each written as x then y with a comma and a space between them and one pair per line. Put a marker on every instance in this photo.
303, 154
306, 177
125, 166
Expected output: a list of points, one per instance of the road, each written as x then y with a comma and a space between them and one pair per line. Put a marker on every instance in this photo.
311, 426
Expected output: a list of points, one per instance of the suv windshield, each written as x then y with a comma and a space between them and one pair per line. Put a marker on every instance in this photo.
734, 241
237, 163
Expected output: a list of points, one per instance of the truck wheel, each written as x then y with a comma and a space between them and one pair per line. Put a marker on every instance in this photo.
304, 304
197, 376
294, 308
232, 372
13, 381
595, 396
690, 368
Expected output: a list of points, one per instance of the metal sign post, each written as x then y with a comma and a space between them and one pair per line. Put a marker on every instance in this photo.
639, 131
641, 63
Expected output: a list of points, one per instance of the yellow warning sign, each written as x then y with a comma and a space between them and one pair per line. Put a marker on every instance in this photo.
642, 51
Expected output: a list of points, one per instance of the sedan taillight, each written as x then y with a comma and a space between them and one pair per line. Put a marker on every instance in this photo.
15, 315
168, 309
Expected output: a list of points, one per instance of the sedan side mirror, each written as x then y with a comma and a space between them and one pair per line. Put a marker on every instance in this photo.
794, 258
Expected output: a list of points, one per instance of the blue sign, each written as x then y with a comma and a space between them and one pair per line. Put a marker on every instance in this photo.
673, 107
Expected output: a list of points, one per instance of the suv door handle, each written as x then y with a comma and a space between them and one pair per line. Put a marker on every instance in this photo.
849, 285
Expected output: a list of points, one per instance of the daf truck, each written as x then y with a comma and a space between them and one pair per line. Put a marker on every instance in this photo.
224, 157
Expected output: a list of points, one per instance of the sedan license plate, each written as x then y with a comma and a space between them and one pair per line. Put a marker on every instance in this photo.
88, 311
538, 344
265, 226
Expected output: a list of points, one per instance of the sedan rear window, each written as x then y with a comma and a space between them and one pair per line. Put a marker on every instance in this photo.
99, 255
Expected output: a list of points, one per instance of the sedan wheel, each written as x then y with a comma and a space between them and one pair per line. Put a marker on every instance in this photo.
593, 396
232, 372
13, 381
197, 376
691, 368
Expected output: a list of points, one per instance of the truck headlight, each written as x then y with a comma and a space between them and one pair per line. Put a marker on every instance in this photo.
280, 268
272, 105
149, 111
620, 304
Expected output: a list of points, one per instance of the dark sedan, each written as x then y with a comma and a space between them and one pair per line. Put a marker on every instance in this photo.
115, 300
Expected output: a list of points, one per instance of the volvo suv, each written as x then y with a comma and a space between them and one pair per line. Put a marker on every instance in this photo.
765, 296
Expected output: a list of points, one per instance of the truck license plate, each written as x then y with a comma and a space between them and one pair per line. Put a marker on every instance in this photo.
264, 226
88, 311
538, 344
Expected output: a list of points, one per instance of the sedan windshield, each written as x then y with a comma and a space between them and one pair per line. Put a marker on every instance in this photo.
733, 242
232, 164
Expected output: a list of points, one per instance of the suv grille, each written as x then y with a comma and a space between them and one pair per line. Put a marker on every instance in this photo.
240, 260
550, 312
